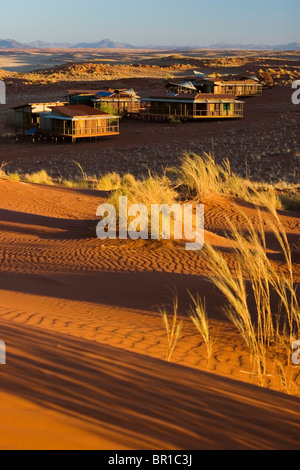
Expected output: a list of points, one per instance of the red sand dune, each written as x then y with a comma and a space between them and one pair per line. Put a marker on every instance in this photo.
63, 392
86, 343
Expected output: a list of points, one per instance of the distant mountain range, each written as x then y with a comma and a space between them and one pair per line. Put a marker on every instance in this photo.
11, 44
108, 44
264, 47
104, 44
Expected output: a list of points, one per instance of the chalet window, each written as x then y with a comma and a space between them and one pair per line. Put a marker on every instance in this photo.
201, 107
226, 106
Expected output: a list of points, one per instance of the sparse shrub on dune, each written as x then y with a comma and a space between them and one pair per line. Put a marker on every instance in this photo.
40, 177
200, 176
83, 181
109, 182
14, 176
291, 201
146, 192
128, 180
272, 322
2, 172
77, 183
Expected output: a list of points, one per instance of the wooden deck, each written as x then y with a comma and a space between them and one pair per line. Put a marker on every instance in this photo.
81, 128
84, 132
183, 113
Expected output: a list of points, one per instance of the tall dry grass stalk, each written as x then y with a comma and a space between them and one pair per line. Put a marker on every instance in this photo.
109, 182
253, 285
154, 190
200, 176
2, 172
40, 177
287, 380
173, 328
199, 317
146, 191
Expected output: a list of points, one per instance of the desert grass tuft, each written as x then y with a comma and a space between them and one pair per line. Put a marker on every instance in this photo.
291, 201
14, 176
199, 176
109, 182
40, 177
3, 174
145, 192
198, 315
253, 277
173, 328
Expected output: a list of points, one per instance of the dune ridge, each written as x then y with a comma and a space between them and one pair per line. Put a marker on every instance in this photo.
65, 294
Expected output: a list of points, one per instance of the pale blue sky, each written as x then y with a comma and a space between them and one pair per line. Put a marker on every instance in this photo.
143, 22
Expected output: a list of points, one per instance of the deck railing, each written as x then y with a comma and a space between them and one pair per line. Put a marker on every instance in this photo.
241, 91
246, 92
84, 131
195, 113
220, 113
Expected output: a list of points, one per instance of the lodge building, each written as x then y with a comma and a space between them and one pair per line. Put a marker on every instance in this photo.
192, 106
120, 101
78, 121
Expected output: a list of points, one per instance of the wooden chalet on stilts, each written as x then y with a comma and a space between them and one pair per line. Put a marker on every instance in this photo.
28, 116
120, 102
78, 121
240, 85
180, 86
192, 107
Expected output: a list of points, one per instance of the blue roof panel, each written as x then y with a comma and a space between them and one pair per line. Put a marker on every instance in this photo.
31, 131
104, 93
